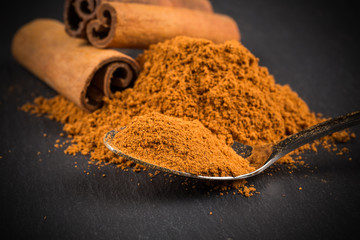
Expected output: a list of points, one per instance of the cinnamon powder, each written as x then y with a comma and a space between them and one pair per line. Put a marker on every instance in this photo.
180, 145
220, 85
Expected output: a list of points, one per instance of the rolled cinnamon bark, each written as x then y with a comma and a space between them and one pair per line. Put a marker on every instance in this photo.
77, 13
131, 25
80, 72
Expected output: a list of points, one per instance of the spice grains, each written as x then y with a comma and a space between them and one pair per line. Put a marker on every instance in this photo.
180, 145
220, 85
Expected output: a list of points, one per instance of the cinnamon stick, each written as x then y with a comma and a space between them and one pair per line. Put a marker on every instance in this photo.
77, 13
72, 67
126, 25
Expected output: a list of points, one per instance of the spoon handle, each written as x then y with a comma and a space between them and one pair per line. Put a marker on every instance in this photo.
317, 131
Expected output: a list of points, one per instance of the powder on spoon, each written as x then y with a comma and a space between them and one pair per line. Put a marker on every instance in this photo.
220, 85
180, 145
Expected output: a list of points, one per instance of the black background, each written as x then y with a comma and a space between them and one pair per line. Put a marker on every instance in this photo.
313, 46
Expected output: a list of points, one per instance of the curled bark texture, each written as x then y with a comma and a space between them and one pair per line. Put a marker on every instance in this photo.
123, 25
80, 72
77, 13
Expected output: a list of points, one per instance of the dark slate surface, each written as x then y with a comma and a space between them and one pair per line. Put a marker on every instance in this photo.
311, 46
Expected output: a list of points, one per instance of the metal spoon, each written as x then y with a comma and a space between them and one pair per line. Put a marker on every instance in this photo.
268, 153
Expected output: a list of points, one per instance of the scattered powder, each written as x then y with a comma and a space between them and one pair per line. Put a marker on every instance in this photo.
343, 151
180, 145
246, 191
220, 85
341, 137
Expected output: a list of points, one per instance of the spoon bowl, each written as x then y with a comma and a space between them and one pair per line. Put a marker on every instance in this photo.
261, 157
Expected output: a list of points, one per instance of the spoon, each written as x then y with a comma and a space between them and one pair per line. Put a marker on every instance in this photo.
262, 156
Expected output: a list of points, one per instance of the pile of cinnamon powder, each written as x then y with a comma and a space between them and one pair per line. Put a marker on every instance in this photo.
220, 85
180, 145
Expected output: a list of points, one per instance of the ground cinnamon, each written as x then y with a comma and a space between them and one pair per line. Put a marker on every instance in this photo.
180, 145
220, 85
77, 13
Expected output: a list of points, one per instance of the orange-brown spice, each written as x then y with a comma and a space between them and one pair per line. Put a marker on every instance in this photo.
180, 145
220, 85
